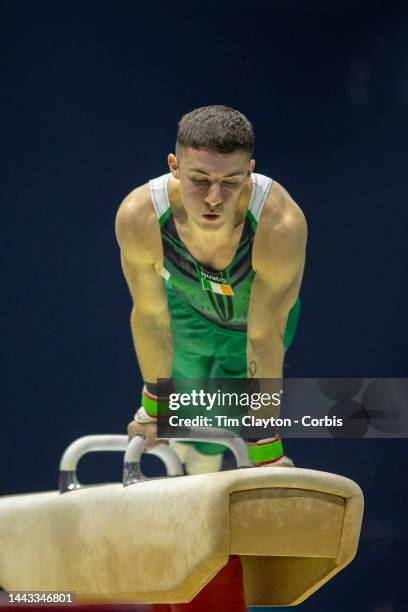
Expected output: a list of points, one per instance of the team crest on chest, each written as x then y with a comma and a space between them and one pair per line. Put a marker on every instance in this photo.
215, 283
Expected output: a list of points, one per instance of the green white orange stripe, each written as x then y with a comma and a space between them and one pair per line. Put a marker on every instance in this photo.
222, 289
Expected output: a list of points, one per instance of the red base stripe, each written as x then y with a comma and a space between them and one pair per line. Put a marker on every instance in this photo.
149, 395
267, 462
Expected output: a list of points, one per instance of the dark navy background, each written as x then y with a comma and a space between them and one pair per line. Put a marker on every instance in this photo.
91, 96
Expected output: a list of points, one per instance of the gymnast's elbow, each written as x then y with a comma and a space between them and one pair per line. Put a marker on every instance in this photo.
150, 319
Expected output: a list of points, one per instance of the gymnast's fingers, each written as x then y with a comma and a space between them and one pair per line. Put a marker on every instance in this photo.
148, 431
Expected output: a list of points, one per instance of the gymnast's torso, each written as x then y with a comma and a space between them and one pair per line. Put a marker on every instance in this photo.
214, 279
213, 274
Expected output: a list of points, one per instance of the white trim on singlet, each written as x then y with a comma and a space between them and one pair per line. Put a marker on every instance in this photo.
158, 191
260, 189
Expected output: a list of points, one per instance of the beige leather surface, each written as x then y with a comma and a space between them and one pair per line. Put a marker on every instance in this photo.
163, 540
316, 517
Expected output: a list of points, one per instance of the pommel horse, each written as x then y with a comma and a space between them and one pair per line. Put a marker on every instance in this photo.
162, 540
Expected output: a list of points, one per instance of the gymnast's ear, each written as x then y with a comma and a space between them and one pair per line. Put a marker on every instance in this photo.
173, 165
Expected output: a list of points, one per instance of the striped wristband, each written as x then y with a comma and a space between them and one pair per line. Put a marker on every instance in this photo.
155, 398
266, 451
149, 403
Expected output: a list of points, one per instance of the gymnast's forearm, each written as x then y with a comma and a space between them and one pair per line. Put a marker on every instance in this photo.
153, 344
265, 363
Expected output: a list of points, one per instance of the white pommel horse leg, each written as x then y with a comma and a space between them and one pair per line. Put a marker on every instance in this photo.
163, 540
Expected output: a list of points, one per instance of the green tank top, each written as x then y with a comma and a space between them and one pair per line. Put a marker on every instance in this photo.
221, 297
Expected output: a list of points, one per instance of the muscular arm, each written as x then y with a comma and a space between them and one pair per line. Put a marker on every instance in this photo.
279, 257
138, 236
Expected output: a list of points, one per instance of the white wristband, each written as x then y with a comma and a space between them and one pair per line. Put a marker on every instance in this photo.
141, 416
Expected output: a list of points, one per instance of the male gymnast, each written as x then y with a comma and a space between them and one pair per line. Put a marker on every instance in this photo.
213, 255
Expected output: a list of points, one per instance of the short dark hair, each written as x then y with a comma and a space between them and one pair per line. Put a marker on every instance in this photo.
218, 128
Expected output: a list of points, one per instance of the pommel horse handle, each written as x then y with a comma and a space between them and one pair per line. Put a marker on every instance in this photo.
131, 465
68, 480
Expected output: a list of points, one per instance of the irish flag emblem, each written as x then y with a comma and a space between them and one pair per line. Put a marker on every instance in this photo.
222, 289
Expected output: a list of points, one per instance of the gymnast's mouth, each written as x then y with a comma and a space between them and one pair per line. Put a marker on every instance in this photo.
211, 216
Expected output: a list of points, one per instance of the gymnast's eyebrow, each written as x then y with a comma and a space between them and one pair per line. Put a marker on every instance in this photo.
224, 176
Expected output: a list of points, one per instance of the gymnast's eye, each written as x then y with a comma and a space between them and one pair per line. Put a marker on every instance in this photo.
199, 181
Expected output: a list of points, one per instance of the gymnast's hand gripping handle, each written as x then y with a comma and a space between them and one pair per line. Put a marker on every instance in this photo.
68, 480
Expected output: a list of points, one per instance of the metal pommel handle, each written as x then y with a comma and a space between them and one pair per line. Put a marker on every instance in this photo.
68, 480
131, 467
132, 473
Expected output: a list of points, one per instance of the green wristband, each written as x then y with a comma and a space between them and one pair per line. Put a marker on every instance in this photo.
265, 452
151, 403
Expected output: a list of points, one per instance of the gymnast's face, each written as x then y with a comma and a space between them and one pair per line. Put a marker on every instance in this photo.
211, 184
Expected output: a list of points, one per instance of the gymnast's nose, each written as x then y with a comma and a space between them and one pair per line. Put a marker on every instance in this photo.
213, 196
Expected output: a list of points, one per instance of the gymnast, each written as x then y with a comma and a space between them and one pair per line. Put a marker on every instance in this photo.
213, 255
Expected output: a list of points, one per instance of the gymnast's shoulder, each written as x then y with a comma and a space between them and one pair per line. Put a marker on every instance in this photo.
282, 224
136, 225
